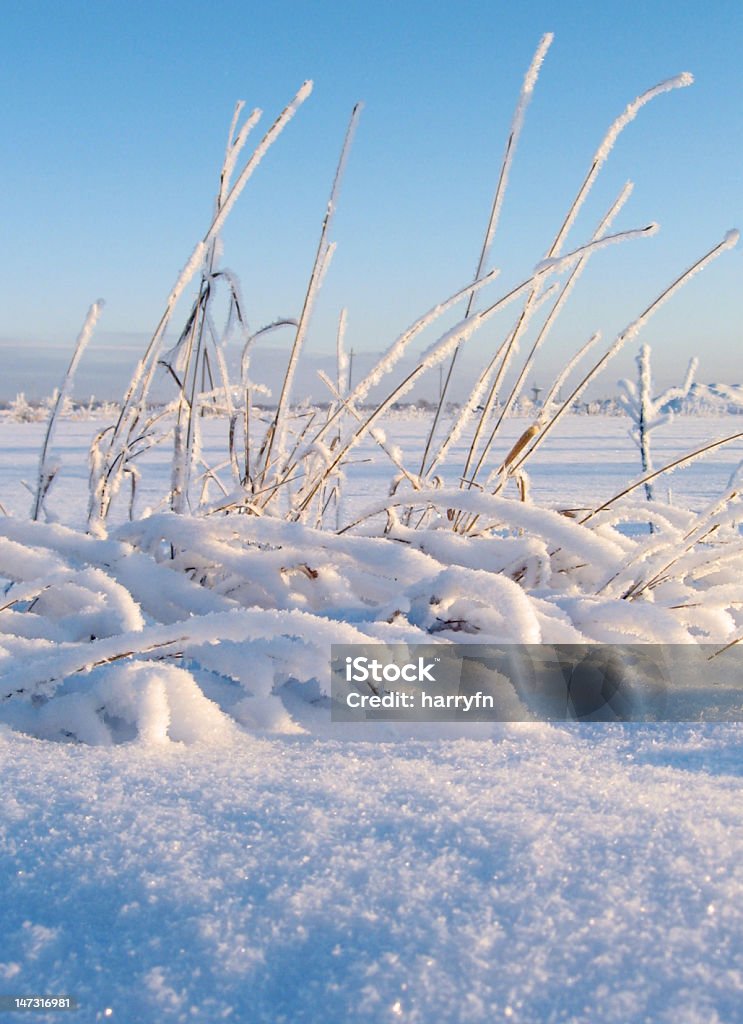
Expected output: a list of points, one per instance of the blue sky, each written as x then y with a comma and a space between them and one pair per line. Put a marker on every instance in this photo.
115, 117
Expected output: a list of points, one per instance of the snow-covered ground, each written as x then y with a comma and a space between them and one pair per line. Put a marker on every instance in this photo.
590, 874
528, 873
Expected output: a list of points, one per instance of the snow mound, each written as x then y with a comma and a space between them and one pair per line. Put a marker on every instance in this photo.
180, 626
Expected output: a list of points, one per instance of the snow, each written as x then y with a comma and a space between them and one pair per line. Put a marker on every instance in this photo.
546, 874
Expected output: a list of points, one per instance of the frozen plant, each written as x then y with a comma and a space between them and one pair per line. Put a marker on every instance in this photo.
21, 410
648, 412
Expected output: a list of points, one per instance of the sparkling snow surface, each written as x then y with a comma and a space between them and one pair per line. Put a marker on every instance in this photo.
533, 874
547, 874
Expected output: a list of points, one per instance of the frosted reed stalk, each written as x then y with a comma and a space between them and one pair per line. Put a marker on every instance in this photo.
607, 144
322, 258
44, 476
517, 123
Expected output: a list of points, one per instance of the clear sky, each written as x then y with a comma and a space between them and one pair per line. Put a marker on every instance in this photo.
115, 116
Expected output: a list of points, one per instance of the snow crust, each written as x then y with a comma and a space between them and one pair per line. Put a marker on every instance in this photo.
583, 875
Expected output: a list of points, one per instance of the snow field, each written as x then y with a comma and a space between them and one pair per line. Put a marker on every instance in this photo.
585, 461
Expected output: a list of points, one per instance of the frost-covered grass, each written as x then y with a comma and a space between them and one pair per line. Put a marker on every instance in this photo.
104, 639
242, 559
